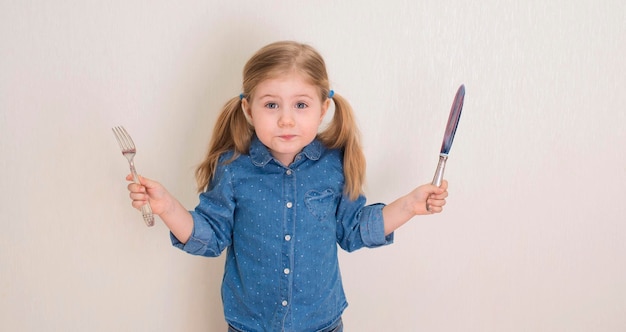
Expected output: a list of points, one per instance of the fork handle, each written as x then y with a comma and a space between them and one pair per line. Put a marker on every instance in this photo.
148, 218
146, 210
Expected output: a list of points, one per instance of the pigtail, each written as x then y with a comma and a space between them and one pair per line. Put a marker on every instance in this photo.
232, 132
343, 133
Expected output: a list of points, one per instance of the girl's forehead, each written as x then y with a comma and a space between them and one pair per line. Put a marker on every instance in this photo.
287, 83
292, 75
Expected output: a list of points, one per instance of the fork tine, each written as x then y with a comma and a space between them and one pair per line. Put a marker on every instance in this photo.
120, 138
117, 137
129, 141
123, 138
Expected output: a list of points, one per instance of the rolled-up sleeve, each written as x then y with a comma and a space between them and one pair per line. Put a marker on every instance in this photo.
373, 226
212, 219
204, 240
360, 225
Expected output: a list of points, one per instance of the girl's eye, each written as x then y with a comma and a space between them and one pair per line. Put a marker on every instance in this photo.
271, 105
301, 105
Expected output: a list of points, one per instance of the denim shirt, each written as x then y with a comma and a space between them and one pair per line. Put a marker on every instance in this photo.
281, 226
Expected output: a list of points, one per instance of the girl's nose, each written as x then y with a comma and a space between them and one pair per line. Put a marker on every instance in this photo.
285, 120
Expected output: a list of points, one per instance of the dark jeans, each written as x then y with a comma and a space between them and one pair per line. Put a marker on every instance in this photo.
336, 328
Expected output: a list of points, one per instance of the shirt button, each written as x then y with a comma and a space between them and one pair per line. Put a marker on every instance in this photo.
286, 271
288, 172
289, 205
284, 303
287, 237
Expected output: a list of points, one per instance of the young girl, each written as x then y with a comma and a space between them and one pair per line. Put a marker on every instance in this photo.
280, 196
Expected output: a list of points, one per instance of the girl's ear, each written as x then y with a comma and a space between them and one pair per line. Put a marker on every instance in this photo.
246, 108
325, 106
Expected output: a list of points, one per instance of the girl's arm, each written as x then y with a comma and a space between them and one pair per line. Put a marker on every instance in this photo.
406, 207
166, 206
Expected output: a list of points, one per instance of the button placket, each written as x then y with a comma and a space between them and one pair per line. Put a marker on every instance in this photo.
289, 187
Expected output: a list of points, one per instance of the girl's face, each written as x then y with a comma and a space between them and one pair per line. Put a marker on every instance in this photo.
286, 113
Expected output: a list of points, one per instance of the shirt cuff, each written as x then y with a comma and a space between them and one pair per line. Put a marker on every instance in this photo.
373, 226
198, 242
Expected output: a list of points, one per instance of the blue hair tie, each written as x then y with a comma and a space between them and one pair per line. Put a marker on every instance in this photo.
331, 93
241, 96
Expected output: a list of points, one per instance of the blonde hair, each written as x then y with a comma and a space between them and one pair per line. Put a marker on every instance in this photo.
232, 131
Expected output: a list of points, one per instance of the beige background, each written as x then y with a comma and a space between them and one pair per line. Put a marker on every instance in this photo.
533, 238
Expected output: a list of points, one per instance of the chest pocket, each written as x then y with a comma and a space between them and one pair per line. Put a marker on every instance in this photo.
320, 204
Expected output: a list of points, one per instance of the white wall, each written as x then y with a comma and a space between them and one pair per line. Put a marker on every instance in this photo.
533, 237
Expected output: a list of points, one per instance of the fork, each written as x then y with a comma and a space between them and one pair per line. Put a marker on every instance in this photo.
128, 150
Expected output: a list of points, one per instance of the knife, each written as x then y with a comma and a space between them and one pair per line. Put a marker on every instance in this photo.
448, 137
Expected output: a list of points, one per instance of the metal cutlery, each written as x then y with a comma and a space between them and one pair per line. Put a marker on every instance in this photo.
128, 150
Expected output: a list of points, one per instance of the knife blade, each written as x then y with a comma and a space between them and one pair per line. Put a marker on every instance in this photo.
448, 137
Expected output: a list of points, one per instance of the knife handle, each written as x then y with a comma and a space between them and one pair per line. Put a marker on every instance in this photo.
440, 168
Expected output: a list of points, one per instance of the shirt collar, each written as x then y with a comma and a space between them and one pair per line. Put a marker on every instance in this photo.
261, 155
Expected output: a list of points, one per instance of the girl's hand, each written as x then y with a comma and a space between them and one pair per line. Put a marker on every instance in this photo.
429, 199
149, 191
163, 204
423, 200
